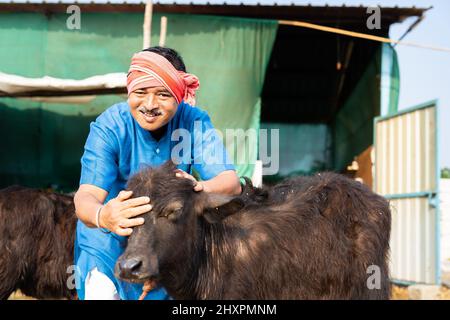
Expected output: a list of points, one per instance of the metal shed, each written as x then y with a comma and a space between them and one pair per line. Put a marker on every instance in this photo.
407, 172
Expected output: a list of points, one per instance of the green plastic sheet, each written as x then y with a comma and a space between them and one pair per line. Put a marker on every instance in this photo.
377, 89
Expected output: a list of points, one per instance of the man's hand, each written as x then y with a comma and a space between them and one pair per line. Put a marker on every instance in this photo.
117, 214
226, 182
198, 185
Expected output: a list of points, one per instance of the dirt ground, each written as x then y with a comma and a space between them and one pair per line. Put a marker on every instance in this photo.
398, 293
401, 293
19, 296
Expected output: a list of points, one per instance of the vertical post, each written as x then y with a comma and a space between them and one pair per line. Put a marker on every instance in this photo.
162, 35
147, 24
257, 174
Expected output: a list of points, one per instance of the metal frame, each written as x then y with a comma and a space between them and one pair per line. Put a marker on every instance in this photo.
433, 195
438, 190
408, 110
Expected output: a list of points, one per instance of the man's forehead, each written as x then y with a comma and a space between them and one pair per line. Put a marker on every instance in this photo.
153, 89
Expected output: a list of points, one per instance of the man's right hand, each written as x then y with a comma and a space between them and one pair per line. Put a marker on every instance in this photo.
119, 214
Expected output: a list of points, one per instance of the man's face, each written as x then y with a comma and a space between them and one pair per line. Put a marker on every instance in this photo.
152, 107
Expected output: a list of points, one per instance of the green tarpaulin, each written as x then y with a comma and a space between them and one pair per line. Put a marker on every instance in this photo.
353, 125
308, 148
304, 149
377, 89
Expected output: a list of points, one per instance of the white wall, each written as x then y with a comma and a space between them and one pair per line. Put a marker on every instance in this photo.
445, 224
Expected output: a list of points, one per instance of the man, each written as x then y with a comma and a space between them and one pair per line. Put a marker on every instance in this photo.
123, 139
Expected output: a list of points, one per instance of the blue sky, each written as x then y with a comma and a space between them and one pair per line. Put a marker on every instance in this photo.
424, 74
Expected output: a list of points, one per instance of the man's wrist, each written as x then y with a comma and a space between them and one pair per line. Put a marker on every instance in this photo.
98, 222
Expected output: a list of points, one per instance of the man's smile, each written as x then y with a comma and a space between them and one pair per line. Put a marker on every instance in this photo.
150, 115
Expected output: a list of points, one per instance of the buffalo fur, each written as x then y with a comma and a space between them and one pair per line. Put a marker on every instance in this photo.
306, 238
37, 233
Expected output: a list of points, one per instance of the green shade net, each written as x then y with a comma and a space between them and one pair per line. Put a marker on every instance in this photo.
304, 149
353, 125
45, 140
390, 80
308, 148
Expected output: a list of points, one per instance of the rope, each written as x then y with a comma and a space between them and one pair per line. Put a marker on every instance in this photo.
357, 34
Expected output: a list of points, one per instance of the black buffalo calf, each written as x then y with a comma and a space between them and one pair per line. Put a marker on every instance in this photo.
320, 237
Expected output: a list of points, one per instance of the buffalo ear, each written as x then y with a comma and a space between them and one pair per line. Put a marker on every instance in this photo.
217, 207
253, 194
248, 186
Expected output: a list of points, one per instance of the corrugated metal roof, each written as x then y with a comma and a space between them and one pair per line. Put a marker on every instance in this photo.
351, 17
199, 2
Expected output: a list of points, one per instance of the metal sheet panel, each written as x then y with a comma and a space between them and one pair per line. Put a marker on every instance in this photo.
405, 153
406, 173
413, 241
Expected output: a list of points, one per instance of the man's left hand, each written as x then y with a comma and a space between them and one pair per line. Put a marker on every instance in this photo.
198, 185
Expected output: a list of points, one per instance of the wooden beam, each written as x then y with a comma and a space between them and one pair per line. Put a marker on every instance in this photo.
163, 31
147, 26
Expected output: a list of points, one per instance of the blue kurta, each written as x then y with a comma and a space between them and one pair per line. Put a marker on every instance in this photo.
116, 148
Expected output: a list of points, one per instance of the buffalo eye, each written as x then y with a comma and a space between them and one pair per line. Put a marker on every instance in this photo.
173, 211
173, 215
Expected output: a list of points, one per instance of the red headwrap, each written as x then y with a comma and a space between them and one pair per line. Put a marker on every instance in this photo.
149, 69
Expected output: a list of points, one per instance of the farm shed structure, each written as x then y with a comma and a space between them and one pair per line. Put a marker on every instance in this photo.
321, 90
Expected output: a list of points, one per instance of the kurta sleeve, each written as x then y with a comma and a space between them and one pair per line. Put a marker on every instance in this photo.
210, 156
99, 163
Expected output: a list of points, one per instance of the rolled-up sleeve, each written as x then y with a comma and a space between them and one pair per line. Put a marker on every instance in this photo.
210, 156
99, 162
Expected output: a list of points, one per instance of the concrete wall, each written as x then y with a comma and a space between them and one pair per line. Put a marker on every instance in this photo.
445, 228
